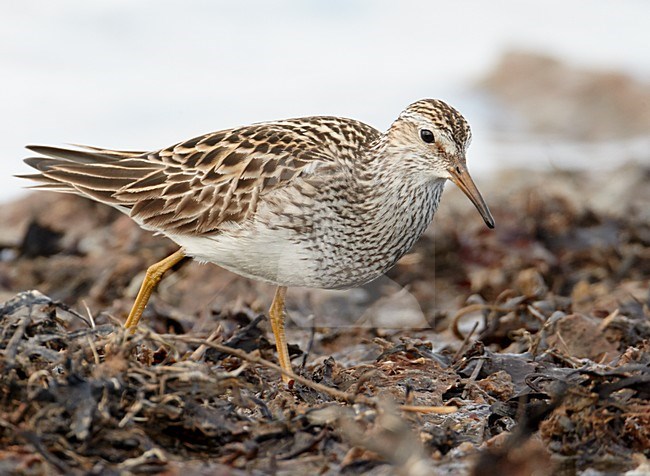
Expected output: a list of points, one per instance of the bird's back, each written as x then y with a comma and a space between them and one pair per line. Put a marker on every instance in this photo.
194, 186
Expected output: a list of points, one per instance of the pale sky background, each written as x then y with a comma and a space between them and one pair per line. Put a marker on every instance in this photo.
146, 74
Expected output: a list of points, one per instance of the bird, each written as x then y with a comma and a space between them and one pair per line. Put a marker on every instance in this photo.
320, 201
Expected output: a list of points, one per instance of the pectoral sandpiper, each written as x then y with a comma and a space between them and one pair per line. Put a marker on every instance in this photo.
322, 202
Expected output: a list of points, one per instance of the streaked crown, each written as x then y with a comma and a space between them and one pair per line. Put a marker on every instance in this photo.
443, 117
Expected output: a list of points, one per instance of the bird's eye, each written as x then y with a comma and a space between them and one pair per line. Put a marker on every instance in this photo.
427, 136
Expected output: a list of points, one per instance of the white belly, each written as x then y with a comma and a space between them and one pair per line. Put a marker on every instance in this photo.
263, 254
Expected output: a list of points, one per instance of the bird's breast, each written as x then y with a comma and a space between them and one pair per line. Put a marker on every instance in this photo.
359, 247
323, 240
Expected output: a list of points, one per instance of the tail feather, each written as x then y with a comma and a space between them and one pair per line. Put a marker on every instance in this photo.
111, 152
72, 155
89, 171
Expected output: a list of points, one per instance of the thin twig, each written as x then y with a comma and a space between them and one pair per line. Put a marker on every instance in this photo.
463, 346
309, 347
334, 393
90, 314
14, 342
200, 350
428, 409
469, 309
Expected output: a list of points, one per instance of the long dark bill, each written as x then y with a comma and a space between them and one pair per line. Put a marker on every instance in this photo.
461, 177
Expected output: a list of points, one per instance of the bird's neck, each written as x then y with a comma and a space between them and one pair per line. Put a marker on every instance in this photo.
398, 204
390, 182
400, 200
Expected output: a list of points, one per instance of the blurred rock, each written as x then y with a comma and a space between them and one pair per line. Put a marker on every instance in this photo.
552, 97
581, 337
40, 241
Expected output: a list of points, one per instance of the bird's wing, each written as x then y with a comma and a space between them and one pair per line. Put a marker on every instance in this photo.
195, 186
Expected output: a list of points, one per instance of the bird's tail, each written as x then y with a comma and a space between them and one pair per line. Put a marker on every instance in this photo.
88, 171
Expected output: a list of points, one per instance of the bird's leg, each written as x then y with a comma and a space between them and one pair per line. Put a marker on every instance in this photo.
151, 279
277, 314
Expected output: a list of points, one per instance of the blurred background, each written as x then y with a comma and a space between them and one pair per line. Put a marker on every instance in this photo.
558, 85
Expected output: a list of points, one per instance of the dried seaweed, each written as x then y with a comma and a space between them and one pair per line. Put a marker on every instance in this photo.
551, 369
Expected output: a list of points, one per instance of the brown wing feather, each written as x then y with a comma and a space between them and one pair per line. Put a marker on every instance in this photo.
194, 186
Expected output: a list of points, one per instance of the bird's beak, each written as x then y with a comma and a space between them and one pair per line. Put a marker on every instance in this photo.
461, 177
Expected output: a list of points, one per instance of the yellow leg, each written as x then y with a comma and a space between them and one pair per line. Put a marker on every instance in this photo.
151, 280
276, 314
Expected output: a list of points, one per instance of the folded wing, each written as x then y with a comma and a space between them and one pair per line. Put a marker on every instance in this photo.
195, 186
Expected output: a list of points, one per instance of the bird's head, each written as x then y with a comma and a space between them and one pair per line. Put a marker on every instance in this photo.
431, 139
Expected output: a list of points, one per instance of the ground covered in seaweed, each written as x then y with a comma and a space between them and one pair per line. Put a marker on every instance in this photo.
523, 350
